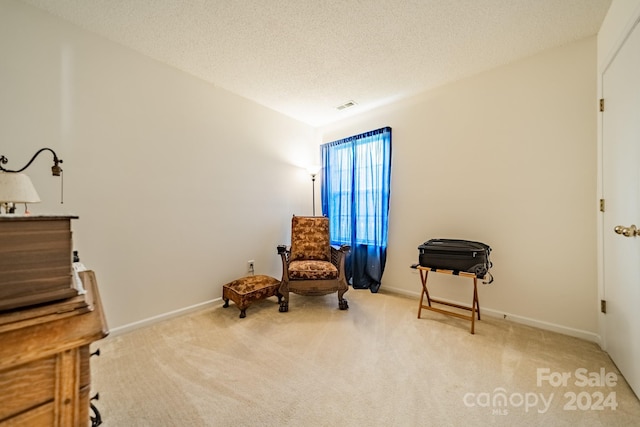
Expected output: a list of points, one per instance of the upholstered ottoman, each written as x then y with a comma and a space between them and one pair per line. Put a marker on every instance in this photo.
248, 289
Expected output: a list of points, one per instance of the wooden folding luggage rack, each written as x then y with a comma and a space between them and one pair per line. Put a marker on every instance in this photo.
475, 305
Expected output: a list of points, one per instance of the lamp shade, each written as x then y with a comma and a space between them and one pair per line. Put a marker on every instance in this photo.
313, 169
17, 188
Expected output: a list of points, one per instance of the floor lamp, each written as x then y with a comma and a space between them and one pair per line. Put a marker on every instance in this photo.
313, 171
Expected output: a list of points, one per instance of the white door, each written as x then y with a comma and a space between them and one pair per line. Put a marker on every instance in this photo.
621, 191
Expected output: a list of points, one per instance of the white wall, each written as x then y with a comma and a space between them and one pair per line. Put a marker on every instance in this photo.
507, 157
177, 183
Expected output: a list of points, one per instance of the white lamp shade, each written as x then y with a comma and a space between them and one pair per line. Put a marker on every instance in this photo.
17, 188
313, 169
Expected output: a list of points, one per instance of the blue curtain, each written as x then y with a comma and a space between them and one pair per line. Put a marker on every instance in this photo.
356, 178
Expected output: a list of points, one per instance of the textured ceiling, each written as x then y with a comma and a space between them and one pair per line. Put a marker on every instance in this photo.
304, 58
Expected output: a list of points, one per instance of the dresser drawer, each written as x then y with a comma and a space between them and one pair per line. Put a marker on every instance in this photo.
41, 416
27, 386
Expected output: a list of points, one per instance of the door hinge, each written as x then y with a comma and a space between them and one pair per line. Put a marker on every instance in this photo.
601, 104
601, 205
603, 306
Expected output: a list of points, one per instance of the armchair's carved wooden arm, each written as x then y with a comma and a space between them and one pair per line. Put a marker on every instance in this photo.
284, 253
338, 256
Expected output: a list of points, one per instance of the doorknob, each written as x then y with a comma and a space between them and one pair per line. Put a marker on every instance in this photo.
630, 231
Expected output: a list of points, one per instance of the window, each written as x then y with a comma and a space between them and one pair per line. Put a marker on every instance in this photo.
355, 191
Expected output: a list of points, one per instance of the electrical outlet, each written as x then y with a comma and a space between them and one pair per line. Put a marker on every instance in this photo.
251, 266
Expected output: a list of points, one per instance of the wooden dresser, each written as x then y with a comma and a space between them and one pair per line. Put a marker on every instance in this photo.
44, 360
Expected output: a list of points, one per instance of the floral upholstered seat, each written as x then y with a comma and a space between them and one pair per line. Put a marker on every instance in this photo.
312, 270
248, 289
311, 266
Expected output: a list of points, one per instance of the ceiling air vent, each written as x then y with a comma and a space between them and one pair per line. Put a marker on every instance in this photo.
346, 105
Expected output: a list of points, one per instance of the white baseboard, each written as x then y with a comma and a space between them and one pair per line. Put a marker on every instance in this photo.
540, 324
164, 316
578, 333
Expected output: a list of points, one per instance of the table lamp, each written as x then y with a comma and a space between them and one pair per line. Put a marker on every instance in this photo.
16, 188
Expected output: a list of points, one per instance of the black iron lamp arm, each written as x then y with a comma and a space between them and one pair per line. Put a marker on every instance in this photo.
55, 169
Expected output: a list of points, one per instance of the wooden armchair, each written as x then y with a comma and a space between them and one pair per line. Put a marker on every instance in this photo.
311, 266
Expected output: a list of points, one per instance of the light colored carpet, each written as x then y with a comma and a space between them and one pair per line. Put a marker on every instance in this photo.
375, 364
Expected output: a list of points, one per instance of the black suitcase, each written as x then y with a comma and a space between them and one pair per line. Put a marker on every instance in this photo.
456, 255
